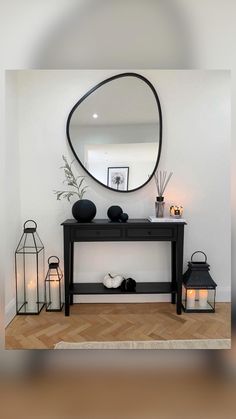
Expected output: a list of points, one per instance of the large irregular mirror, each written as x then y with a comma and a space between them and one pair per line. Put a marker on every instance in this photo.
115, 132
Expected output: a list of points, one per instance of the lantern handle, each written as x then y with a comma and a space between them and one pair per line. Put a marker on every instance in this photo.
199, 251
58, 260
31, 221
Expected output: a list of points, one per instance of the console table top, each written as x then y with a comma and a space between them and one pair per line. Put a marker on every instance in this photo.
98, 221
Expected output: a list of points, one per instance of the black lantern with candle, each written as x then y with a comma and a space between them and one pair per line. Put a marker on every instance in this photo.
199, 289
53, 285
29, 270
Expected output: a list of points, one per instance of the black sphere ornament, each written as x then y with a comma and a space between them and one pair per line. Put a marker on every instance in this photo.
84, 210
124, 217
114, 213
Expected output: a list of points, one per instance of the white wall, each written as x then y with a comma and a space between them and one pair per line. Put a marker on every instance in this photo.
11, 198
2, 206
196, 136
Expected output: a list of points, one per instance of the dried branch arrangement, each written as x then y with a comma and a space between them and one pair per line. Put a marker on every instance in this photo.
162, 180
76, 183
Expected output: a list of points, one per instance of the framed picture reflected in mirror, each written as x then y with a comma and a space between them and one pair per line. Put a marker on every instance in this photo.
118, 178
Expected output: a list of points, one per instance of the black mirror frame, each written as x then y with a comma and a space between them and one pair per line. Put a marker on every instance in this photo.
117, 76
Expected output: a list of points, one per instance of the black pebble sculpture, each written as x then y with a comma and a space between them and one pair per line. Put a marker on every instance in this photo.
116, 214
124, 217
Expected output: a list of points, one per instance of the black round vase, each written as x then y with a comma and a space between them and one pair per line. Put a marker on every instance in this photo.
84, 210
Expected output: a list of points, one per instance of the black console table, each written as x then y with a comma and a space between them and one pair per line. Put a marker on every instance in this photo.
133, 230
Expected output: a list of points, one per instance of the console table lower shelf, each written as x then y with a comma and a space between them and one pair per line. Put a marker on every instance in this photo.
81, 288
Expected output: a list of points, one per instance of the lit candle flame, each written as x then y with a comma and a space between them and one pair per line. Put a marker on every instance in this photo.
31, 284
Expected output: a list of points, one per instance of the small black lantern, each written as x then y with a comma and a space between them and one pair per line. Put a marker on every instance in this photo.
199, 289
53, 285
29, 269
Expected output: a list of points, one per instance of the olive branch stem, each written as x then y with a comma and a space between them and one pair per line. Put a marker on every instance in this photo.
75, 182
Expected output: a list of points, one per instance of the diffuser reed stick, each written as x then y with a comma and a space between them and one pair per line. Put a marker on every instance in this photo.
162, 180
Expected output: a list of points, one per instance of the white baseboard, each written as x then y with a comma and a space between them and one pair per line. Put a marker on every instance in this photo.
223, 294
122, 298
10, 311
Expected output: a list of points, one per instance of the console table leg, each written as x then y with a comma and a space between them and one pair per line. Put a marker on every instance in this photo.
71, 270
173, 272
179, 267
67, 271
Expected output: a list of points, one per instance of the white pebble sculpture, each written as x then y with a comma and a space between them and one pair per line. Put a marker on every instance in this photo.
112, 280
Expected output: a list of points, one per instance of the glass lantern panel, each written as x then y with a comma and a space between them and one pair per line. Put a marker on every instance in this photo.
184, 296
198, 299
205, 299
41, 276
53, 294
54, 274
38, 241
31, 282
20, 289
30, 243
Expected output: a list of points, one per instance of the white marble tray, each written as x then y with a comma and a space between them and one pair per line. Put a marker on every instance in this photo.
165, 220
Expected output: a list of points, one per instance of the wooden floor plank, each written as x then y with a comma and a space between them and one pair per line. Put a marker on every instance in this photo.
116, 322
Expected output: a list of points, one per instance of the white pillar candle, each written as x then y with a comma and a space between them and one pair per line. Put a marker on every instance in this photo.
191, 295
203, 296
31, 296
54, 295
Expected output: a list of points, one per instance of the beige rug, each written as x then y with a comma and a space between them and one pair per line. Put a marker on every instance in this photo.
153, 344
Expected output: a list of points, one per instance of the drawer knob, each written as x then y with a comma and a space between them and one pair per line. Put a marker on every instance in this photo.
149, 232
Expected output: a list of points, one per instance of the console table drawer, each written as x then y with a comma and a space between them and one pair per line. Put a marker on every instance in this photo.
81, 234
148, 233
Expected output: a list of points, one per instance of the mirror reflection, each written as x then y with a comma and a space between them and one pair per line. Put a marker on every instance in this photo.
115, 132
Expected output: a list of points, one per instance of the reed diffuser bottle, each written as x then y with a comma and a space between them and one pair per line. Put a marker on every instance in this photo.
159, 206
162, 180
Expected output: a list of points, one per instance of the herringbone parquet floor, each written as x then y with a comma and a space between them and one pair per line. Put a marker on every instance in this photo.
114, 322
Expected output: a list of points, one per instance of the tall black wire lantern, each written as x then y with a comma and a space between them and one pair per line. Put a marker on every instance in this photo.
53, 285
29, 269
